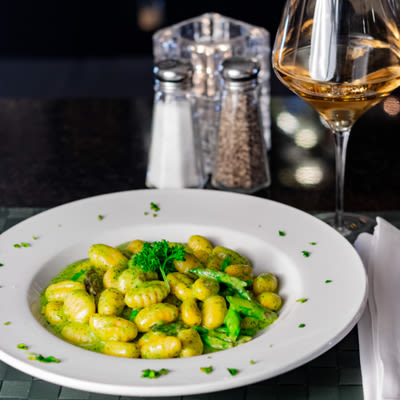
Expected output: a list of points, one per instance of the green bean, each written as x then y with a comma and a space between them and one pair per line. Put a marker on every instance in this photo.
221, 329
232, 322
248, 331
200, 329
252, 309
215, 342
237, 284
243, 339
221, 333
227, 292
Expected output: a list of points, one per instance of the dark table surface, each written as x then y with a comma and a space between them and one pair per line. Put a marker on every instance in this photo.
72, 143
69, 146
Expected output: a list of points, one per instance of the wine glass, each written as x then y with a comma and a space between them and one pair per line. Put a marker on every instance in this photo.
342, 57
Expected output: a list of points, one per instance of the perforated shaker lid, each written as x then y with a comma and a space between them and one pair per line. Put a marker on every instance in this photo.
172, 70
240, 68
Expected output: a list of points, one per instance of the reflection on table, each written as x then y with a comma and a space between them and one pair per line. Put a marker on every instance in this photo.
61, 149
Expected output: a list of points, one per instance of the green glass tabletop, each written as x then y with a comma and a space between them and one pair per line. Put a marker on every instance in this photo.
332, 376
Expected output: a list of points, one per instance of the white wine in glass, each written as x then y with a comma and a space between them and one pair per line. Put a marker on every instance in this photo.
342, 57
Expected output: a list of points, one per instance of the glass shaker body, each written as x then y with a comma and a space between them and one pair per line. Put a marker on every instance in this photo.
175, 154
241, 162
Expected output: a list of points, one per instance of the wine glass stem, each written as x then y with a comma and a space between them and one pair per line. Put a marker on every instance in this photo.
341, 139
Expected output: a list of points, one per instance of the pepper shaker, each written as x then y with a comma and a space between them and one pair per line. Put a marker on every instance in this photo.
175, 156
241, 162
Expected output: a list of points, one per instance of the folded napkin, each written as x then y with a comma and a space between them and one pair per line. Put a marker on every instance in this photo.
379, 327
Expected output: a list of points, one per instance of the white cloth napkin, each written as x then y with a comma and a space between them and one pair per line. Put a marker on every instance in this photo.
379, 327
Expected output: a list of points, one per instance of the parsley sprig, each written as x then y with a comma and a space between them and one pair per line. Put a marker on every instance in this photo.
159, 256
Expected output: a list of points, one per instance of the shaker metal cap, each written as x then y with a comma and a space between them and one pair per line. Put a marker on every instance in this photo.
240, 68
172, 70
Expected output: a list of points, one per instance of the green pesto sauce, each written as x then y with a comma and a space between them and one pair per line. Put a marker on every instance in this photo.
84, 264
97, 346
122, 248
70, 270
66, 274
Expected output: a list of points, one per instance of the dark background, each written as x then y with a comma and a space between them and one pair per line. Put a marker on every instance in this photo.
87, 48
111, 28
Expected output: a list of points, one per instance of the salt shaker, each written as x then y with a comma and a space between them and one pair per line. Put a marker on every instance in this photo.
241, 162
175, 155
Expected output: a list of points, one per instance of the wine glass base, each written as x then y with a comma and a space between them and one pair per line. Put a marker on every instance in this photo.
354, 224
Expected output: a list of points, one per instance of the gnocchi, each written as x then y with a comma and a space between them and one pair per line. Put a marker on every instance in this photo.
198, 299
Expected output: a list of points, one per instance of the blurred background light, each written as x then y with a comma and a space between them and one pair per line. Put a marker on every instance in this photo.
306, 138
287, 122
391, 106
150, 14
309, 174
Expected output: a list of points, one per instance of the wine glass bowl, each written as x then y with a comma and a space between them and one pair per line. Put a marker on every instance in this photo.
342, 57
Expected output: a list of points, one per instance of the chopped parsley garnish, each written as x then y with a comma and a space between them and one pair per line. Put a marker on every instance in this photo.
159, 256
152, 373
154, 207
302, 325
282, 233
38, 357
22, 244
306, 253
328, 281
303, 300
233, 371
49, 359
207, 370
100, 217
225, 263
313, 243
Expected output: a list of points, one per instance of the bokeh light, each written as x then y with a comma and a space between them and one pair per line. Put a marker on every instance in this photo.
309, 174
287, 122
391, 106
306, 138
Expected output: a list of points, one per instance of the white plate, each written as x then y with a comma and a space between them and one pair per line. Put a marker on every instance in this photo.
248, 224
